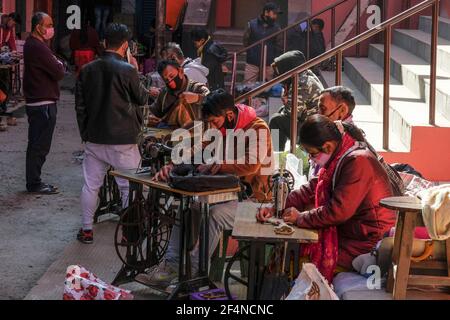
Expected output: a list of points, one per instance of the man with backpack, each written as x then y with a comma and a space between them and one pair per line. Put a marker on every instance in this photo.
212, 56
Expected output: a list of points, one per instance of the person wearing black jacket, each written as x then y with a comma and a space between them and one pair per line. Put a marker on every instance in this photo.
108, 96
212, 55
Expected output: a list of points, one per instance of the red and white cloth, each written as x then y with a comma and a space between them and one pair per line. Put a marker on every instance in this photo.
81, 284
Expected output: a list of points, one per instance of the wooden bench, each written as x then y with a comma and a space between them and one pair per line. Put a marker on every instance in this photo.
402, 271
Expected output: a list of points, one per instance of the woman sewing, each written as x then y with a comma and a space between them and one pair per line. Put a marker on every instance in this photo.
343, 202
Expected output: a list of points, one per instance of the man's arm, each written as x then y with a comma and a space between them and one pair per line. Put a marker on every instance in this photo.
138, 93
80, 108
251, 164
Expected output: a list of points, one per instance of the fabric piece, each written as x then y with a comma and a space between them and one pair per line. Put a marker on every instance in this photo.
81, 284
436, 211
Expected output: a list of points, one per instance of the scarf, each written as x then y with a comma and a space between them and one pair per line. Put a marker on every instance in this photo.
324, 253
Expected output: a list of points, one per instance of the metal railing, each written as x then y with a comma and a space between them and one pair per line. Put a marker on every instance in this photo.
337, 52
284, 33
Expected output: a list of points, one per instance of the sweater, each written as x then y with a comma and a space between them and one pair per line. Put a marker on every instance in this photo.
42, 72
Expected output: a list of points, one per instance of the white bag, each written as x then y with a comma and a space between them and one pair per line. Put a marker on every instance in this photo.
311, 285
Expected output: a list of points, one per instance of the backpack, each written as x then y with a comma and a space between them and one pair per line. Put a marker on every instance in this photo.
395, 180
219, 52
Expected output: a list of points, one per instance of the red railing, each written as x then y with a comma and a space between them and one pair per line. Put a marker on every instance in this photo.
284, 33
337, 52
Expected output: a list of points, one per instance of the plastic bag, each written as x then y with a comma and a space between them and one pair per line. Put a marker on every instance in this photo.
80, 284
295, 166
311, 285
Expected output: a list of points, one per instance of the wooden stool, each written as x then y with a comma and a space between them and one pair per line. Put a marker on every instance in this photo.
400, 275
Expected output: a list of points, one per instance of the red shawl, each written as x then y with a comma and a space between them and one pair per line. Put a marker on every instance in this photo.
324, 253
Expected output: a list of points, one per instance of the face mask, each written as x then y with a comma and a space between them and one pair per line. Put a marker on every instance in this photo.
49, 34
178, 83
269, 20
321, 159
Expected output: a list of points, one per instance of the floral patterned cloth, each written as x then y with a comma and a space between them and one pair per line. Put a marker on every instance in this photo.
81, 284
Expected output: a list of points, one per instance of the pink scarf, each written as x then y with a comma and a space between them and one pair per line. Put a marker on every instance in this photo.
324, 253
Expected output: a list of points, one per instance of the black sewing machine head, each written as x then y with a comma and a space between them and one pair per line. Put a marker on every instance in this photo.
155, 150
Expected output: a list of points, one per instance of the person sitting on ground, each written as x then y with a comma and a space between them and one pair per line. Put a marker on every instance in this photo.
309, 89
212, 56
343, 203
193, 69
179, 104
254, 167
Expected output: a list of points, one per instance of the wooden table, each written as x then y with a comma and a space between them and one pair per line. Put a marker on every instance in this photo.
409, 216
185, 281
246, 228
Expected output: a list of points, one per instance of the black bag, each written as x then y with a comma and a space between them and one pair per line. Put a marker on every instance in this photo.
186, 177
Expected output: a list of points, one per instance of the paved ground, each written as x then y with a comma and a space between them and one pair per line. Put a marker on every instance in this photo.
34, 229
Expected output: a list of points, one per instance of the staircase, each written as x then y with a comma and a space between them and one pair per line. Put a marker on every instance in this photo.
412, 139
232, 40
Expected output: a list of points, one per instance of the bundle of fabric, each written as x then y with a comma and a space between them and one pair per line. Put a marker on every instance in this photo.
80, 284
436, 211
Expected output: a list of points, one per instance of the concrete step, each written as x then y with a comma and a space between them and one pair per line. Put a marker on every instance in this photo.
425, 23
365, 117
229, 35
418, 43
414, 73
407, 110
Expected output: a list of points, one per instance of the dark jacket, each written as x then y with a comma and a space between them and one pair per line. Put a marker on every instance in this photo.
213, 55
108, 96
354, 208
297, 40
258, 29
42, 72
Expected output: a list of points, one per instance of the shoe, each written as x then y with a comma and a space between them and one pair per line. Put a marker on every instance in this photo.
85, 236
161, 275
44, 189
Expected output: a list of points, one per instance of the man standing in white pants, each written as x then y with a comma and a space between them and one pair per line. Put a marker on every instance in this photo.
108, 96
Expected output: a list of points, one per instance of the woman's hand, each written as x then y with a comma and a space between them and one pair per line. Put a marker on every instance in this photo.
163, 174
265, 214
291, 215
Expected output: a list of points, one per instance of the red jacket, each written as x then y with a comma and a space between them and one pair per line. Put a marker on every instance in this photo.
354, 207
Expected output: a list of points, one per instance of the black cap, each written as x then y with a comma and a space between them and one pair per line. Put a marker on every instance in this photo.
270, 6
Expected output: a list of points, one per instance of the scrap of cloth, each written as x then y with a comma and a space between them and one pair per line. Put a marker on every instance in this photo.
436, 211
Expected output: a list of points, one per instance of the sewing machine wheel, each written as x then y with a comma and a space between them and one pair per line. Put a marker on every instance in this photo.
144, 143
143, 233
287, 175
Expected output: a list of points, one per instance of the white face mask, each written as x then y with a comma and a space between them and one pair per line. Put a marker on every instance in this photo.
49, 33
321, 159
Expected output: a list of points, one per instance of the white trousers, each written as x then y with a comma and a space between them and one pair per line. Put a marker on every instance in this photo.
98, 158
